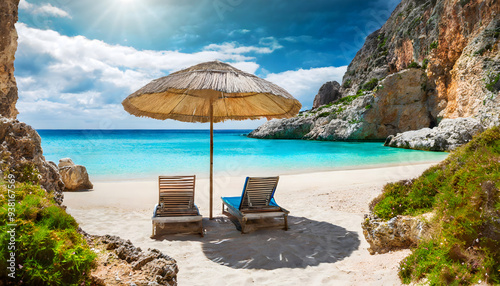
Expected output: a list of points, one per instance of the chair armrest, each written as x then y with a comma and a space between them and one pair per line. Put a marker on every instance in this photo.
198, 210
285, 210
154, 211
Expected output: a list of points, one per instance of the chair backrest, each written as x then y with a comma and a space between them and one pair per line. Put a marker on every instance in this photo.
176, 194
258, 192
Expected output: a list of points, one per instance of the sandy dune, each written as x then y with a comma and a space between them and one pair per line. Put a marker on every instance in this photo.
324, 246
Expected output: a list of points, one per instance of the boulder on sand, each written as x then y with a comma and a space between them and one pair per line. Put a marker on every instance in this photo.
75, 177
448, 135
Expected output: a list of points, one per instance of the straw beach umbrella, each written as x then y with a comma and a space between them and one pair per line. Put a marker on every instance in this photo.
211, 92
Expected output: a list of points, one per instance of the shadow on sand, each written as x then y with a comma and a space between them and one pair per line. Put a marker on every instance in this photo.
306, 243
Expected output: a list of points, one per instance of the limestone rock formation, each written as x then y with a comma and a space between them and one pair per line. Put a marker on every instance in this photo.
398, 104
121, 263
22, 155
398, 233
75, 177
293, 128
329, 92
8, 47
338, 121
455, 42
430, 61
450, 134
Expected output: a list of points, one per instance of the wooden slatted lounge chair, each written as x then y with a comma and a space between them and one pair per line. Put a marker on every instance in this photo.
256, 203
176, 208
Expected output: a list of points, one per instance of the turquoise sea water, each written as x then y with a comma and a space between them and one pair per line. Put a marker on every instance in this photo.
144, 154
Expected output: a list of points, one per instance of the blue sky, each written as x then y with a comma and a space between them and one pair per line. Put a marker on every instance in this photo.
77, 60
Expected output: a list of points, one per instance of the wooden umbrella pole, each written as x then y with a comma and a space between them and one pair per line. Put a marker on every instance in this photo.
211, 158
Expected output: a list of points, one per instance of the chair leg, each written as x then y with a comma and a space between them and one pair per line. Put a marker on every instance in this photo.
286, 222
243, 224
201, 229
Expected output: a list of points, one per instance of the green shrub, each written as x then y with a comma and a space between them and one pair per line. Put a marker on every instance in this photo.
368, 106
434, 45
338, 110
49, 249
347, 84
324, 114
346, 99
463, 193
382, 44
414, 65
360, 92
371, 84
425, 63
492, 82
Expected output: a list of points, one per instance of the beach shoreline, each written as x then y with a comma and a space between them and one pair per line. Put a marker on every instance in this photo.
324, 246
205, 175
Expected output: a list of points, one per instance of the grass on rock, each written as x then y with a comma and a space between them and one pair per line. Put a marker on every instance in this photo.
49, 249
463, 193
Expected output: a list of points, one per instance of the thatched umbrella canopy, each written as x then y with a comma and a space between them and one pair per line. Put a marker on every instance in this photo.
211, 92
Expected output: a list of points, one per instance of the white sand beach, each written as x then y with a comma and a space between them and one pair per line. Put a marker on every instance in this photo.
324, 246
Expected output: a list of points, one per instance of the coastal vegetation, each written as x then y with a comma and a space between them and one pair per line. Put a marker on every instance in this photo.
463, 194
492, 82
434, 45
370, 85
425, 63
49, 249
414, 65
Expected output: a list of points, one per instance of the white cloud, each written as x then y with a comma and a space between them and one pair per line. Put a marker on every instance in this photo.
119, 65
268, 47
271, 42
44, 9
25, 5
304, 84
239, 32
75, 82
65, 78
50, 10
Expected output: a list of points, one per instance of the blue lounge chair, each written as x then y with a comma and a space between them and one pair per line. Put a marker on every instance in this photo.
256, 203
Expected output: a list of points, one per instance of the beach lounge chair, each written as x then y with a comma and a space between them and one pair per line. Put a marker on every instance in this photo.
256, 204
176, 211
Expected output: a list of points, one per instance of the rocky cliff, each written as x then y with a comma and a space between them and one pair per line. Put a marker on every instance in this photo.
22, 155
8, 47
328, 92
431, 60
20, 150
